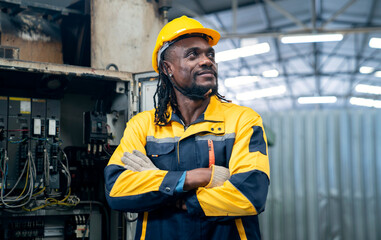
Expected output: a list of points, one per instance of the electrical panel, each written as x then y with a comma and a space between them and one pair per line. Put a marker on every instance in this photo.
53, 150
36, 174
26, 142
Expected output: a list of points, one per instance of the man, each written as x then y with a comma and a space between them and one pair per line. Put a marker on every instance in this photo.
196, 166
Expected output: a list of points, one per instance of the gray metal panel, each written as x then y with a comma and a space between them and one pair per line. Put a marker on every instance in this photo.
324, 176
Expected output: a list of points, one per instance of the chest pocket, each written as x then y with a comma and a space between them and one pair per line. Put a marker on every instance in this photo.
221, 152
163, 155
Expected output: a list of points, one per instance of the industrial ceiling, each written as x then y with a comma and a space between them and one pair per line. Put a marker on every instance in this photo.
334, 69
304, 69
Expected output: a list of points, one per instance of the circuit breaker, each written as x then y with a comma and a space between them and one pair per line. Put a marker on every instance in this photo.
19, 110
3, 122
95, 131
38, 136
53, 114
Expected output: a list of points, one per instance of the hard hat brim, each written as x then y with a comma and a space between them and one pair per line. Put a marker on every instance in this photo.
213, 34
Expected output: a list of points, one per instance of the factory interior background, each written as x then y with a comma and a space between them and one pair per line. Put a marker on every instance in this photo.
73, 72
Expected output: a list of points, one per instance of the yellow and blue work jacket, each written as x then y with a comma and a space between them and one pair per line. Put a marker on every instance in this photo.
225, 212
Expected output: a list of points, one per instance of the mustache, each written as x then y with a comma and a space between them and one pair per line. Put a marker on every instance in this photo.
208, 69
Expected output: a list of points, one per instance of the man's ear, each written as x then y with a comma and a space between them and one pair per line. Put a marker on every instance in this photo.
166, 67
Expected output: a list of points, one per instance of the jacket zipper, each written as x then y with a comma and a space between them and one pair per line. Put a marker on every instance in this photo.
211, 152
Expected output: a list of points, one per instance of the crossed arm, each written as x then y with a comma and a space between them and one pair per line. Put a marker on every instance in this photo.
199, 177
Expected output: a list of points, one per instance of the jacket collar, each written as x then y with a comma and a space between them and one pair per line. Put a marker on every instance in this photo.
213, 113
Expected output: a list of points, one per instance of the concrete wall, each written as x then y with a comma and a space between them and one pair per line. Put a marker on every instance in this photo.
124, 32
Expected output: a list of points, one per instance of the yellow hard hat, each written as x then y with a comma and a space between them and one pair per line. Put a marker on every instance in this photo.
179, 27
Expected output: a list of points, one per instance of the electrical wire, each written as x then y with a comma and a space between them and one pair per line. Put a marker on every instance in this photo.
26, 181
18, 180
87, 222
46, 168
38, 193
68, 201
29, 169
17, 130
30, 173
17, 141
104, 150
30, 176
67, 174
1, 160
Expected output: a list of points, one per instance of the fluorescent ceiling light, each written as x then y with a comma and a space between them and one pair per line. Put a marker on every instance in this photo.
308, 38
315, 100
270, 73
375, 43
266, 92
365, 102
377, 74
240, 80
363, 88
366, 70
242, 52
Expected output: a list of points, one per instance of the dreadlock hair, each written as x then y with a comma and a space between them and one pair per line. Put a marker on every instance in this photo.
166, 95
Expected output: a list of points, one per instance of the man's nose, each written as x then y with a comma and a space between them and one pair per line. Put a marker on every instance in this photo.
206, 61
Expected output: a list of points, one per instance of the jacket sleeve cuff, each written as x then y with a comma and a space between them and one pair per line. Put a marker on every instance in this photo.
168, 186
180, 183
193, 206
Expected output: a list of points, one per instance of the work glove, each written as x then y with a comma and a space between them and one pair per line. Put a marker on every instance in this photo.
219, 176
137, 162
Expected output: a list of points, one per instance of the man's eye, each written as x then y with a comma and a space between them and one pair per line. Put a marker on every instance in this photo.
192, 54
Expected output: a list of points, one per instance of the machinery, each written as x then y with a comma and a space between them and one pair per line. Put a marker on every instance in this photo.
53, 150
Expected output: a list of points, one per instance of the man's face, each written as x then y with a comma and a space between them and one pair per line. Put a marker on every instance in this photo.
192, 63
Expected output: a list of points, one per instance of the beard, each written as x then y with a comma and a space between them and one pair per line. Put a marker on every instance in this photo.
197, 92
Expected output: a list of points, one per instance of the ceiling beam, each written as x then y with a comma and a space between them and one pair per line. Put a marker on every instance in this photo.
313, 13
234, 15
355, 30
336, 14
332, 53
286, 13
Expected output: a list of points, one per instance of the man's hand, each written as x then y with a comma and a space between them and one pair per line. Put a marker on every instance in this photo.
206, 177
198, 177
137, 161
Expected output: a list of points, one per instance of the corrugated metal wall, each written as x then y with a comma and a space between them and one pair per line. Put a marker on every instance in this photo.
325, 176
